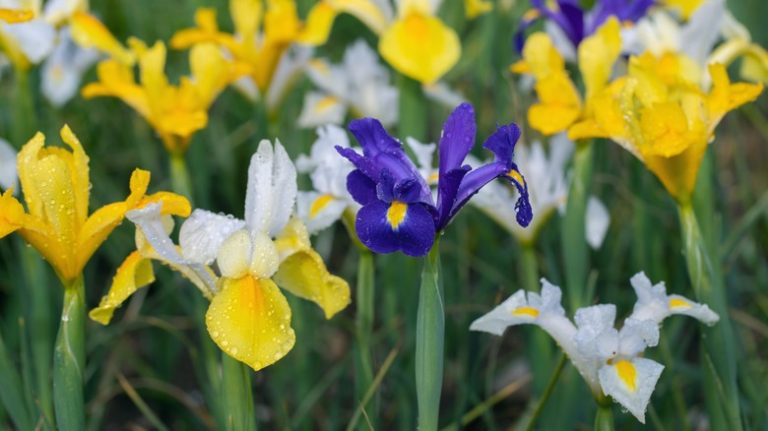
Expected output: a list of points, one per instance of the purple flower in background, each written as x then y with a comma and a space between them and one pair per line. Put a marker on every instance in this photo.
398, 210
575, 22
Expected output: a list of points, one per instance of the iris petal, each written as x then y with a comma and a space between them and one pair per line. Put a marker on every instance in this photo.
414, 233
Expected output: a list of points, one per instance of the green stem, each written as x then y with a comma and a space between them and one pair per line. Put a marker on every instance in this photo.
540, 353
547, 391
11, 391
24, 108
604, 417
430, 333
413, 109
237, 395
69, 359
180, 180
576, 255
364, 325
708, 288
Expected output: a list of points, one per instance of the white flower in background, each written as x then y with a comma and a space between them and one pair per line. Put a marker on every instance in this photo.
548, 193
327, 202
8, 175
359, 84
610, 360
48, 38
64, 68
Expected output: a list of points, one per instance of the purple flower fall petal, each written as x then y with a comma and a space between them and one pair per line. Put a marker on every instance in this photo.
398, 212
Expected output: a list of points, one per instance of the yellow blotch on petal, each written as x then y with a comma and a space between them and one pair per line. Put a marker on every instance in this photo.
134, 273
420, 46
526, 311
319, 204
627, 373
396, 214
250, 320
679, 303
516, 176
13, 16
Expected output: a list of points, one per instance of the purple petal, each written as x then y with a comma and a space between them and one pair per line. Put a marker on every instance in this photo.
502, 142
363, 164
362, 188
457, 138
523, 209
474, 181
413, 235
407, 191
447, 189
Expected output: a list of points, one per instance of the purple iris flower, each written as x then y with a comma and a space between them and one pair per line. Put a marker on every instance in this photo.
398, 211
575, 22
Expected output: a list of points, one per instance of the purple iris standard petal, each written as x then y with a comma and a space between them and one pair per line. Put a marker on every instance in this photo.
474, 181
363, 164
623, 10
569, 16
502, 142
447, 190
381, 152
362, 188
457, 139
414, 234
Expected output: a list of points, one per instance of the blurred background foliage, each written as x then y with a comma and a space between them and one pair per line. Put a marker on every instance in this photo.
142, 368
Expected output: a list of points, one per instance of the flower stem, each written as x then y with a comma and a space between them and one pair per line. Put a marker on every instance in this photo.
413, 108
541, 352
237, 395
547, 391
180, 180
364, 325
604, 417
24, 108
576, 255
430, 333
69, 359
709, 289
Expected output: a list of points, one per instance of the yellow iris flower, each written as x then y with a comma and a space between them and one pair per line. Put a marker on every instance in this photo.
262, 34
559, 103
175, 112
248, 317
56, 189
415, 42
660, 113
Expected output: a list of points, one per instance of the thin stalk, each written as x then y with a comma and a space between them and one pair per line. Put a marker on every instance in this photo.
237, 395
413, 108
180, 180
576, 252
430, 333
364, 325
547, 392
69, 359
718, 341
11, 391
23, 107
540, 354
604, 417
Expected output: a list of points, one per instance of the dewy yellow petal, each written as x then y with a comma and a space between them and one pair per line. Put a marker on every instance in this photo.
420, 46
134, 273
89, 32
11, 213
250, 320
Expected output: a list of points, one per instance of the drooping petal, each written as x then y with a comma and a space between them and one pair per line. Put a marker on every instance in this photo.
134, 273
202, 234
63, 69
34, 38
319, 210
631, 383
420, 46
320, 109
271, 191
89, 32
385, 228
304, 274
654, 304
597, 221
250, 320
11, 214
361, 187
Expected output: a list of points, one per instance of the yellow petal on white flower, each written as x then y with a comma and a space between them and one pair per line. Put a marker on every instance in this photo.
304, 274
264, 257
250, 320
420, 46
13, 16
89, 32
234, 256
134, 273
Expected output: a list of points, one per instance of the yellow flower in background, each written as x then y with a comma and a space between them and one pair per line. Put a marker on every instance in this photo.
685, 8
176, 112
238, 264
559, 104
660, 113
415, 42
262, 34
13, 16
56, 188
475, 8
